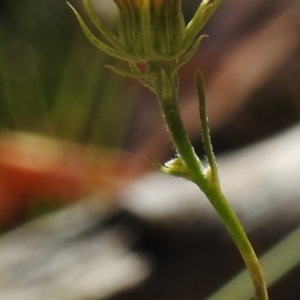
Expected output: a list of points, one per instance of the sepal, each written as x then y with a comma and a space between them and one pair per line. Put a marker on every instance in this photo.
202, 15
97, 22
189, 54
102, 46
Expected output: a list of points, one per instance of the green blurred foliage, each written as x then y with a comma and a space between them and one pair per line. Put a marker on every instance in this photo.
52, 81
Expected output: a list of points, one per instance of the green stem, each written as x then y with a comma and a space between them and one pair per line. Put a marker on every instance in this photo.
233, 225
170, 110
168, 100
277, 262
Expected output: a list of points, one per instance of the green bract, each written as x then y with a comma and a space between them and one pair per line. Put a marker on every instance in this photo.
150, 30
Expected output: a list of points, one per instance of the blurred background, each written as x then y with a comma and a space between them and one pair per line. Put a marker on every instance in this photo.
54, 84
73, 130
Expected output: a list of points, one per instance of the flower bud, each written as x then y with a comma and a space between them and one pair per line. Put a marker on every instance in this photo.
151, 29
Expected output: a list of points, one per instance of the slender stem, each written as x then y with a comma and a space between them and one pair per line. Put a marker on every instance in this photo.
221, 205
168, 100
277, 262
170, 110
233, 225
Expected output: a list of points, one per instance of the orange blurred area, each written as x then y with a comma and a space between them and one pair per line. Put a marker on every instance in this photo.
36, 169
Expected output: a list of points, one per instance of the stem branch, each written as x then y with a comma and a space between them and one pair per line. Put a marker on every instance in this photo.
207, 182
